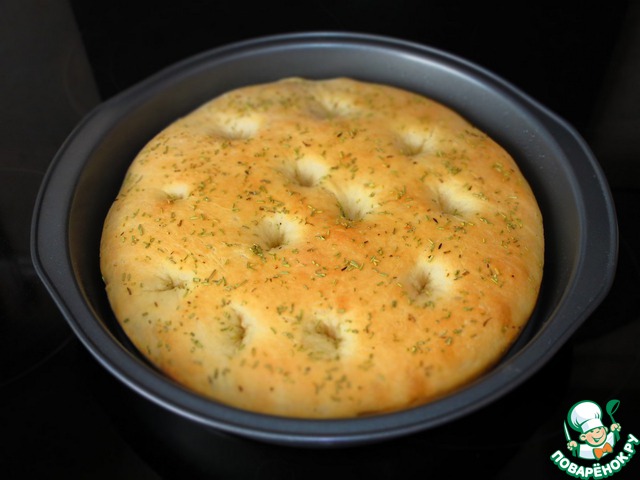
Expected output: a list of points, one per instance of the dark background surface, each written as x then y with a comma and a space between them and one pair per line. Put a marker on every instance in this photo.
63, 416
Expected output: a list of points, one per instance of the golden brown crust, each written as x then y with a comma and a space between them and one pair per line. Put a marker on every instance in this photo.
323, 249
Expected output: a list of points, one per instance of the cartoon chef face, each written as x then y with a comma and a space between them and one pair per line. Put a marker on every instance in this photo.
595, 437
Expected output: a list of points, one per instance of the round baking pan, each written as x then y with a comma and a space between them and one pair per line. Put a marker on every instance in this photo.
85, 175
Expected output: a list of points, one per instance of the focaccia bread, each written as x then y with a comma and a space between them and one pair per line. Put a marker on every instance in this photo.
323, 249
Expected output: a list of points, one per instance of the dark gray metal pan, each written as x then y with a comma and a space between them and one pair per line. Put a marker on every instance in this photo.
83, 178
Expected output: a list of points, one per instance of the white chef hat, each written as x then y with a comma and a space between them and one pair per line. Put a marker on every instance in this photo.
585, 416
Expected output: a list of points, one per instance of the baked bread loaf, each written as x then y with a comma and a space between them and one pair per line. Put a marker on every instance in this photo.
323, 249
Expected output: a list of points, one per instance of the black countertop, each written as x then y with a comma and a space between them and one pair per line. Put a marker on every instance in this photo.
63, 416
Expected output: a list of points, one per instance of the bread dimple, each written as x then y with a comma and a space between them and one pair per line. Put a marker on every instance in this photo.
323, 249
